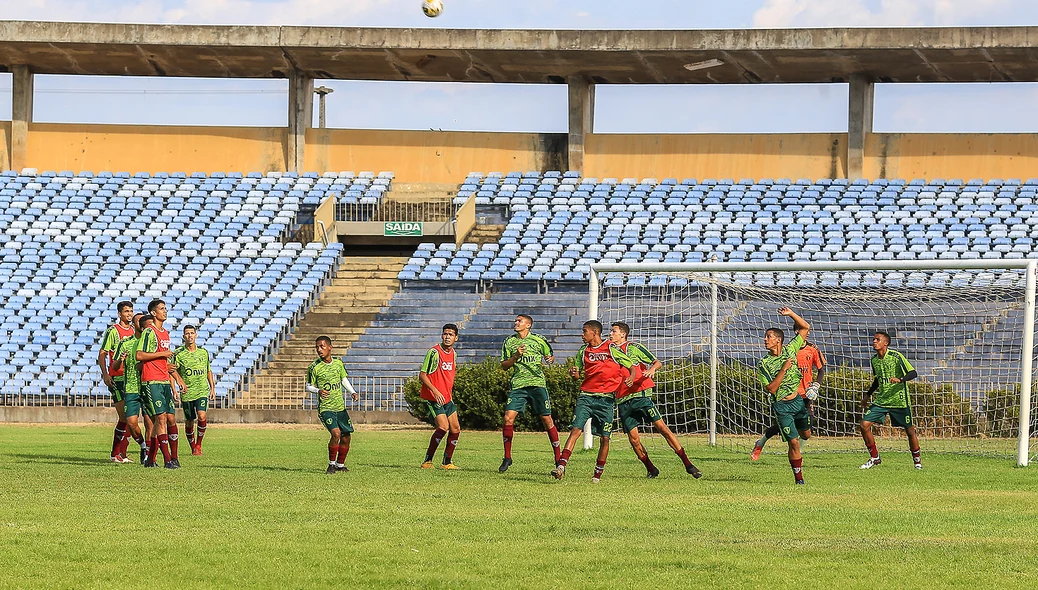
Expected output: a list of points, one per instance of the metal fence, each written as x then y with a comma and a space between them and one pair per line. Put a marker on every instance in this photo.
397, 210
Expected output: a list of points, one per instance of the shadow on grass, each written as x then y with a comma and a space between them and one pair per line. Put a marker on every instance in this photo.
275, 468
61, 459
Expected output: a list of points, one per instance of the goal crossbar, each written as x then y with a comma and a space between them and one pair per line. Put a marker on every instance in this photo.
1027, 344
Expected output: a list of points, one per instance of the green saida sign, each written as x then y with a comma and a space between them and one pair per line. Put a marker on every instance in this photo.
403, 228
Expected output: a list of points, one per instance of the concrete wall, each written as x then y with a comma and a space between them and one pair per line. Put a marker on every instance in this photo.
136, 148
59, 414
432, 156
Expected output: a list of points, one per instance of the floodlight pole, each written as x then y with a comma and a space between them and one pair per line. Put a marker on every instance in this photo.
321, 92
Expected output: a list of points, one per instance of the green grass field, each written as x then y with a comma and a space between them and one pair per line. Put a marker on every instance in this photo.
258, 511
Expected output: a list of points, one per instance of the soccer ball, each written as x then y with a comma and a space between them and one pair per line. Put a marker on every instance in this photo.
432, 8
812, 391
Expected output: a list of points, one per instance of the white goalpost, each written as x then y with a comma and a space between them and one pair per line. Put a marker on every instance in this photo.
966, 325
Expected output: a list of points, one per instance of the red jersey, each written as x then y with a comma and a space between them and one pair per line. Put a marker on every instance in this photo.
603, 367
155, 340
441, 367
808, 359
110, 342
642, 359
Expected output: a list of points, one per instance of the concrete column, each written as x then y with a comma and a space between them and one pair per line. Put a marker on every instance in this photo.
300, 118
859, 122
581, 118
21, 115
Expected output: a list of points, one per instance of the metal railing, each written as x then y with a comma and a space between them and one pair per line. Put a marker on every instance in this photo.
275, 392
391, 209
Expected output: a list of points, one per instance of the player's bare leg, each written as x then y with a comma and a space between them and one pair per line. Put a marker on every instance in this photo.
333, 450
870, 444
442, 425
560, 469
553, 436
913, 445
675, 444
603, 454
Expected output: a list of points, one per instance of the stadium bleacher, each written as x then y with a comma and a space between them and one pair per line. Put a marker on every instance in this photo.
211, 246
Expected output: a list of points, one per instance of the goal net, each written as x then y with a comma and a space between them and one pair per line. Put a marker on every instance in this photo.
966, 326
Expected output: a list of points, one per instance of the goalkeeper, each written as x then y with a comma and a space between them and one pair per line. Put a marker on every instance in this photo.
327, 378
808, 359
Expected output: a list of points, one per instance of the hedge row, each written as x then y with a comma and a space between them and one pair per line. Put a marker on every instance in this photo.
480, 391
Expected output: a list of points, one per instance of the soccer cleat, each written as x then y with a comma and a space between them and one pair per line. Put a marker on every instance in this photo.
144, 456
800, 482
871, 463
757, 448
449, 466
125, 459
558, 472
596, 480
505, 464
342, 469
171, 465
919, 466
653, 474
115, 459
177, 463
427, 465
331, 470
196, 450
694, 471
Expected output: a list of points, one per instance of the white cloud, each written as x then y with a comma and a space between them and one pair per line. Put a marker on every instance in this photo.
870, 13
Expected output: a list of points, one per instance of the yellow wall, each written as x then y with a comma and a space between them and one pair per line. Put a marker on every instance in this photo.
948, 155
716, 155
431, 156
426, 156
135, 148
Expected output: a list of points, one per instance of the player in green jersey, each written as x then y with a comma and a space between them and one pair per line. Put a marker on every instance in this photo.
891, 374
634, 403
194, 375
327, 377
780, 376
126, 359
524, 353
113, 377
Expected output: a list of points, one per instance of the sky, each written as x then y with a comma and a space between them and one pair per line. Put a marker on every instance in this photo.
539, 108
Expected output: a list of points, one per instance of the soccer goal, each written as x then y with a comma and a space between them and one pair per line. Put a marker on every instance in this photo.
966, 325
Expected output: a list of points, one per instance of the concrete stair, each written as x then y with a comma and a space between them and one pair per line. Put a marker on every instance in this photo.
485, 234
362, 286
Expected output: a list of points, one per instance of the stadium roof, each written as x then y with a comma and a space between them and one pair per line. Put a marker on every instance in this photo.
973, 54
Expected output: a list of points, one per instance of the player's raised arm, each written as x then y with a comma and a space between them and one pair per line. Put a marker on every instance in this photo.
800, 326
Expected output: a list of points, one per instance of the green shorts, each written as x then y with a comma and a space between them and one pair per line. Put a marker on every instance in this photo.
118, 389
599, 408
340, 420
193, 407
792, 418
158, 398
537, 397
435, 409
900, 417
637, 409
132, 404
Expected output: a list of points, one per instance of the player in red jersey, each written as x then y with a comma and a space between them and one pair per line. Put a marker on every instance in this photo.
601, 362
635, 403
437, 377
809, 358
157, 385
113, 377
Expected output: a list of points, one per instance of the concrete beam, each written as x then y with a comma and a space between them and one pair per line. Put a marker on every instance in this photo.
21, 115
581, 118
860, 109
300, 118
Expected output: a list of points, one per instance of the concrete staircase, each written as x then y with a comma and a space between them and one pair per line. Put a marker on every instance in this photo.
485, 234
363, 285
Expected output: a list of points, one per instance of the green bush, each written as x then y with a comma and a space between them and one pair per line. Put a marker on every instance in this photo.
1002, 412
480, 391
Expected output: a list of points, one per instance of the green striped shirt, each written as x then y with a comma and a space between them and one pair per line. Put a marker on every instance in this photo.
893, 364
527, 370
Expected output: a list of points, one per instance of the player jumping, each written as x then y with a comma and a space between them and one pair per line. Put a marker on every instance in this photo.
780, 376
437, 377
524, 353
601, 363
635, 402
808, 359
891, 371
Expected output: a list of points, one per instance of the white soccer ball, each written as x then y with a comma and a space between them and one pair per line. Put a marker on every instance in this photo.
432, 8
812, 391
